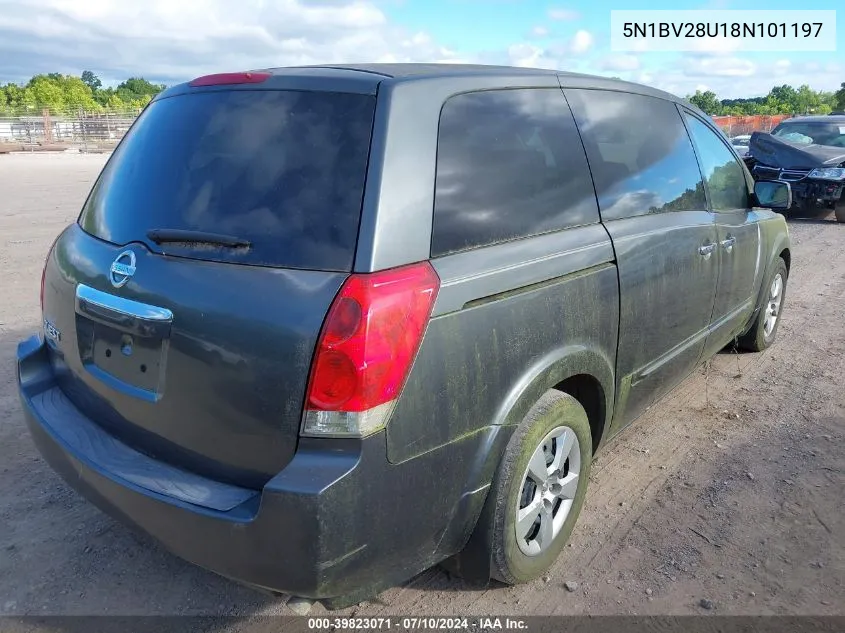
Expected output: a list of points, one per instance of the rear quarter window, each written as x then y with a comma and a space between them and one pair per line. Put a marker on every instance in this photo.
509, 164
640, 153
284, 170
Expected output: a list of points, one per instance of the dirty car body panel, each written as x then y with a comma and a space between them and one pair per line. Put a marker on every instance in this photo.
173, 382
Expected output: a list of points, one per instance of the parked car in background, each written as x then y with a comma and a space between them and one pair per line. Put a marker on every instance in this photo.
740, 143
809, 154
317, 329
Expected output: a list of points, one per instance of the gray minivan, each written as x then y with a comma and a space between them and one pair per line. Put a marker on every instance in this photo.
318, 329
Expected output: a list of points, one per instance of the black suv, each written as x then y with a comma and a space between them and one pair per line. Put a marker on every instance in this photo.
808, 153
318, 329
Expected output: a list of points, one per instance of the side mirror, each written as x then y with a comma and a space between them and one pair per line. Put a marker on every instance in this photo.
773, 194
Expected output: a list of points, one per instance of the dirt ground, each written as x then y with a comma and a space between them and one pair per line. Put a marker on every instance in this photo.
727, 491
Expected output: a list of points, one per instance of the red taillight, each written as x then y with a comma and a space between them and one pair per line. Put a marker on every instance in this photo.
222, 79
44, 268
369, 341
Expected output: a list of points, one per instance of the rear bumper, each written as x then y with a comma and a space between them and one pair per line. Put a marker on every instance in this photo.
338, 520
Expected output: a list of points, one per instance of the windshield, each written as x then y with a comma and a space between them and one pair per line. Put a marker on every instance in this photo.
818, 132
280, 171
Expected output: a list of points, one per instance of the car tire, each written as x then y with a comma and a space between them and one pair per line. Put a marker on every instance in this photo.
559, 423
839, 211
763, 331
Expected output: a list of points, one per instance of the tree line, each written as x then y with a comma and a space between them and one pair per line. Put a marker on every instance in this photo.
780, 100
68, 93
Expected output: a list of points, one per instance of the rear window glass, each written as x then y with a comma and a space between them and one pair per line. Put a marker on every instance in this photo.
812, 132
640, 154
509, 165
282, 170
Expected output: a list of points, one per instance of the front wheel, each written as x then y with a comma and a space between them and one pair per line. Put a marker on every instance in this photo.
539, 488
763, 331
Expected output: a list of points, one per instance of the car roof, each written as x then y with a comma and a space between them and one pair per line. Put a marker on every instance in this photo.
366, 78
398, 72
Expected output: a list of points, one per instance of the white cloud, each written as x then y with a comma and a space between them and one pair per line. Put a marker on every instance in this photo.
734, 77
646, 78
716, 45
620, 62
563, 55
172, 40
582, 42
782, 66
562, 14
530, 56
719, 67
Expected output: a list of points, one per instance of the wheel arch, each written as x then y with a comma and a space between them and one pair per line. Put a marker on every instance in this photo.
776, 237
584, 373
581, 371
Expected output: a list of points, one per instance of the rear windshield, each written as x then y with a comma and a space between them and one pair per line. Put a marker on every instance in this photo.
281, 170
812, 132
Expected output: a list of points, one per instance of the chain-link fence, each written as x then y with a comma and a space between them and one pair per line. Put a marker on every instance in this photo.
738, 125
89, 131
86, 131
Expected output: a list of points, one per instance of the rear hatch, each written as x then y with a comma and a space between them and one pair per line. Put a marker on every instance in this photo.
182, 311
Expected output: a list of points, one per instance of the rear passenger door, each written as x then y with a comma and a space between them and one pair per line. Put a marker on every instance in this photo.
728, 193
652, 202
526, 268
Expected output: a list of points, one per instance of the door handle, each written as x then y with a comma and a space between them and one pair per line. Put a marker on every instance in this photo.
706, 250
728, 243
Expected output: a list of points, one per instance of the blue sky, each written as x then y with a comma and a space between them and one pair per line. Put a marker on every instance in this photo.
536, 24
170, 41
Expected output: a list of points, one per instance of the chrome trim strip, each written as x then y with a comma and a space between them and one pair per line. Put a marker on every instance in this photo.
125, 307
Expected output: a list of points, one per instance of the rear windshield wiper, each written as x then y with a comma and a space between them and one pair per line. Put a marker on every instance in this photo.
161, 236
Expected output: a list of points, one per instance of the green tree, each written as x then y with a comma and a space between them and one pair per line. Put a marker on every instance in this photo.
136, 88
44, 91
806, 100
11, 97
706, 101
78, 95
91, 80
114, 102
839, 95
786, 95
58, 93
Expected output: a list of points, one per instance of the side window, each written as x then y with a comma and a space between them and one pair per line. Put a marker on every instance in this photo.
640, 153
509, 164
725, 178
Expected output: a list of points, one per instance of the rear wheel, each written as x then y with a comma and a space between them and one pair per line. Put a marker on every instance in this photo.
763, 331
839, 211
539, 488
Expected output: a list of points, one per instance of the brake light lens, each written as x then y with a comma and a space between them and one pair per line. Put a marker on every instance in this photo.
44, 269
366, 349
225, 79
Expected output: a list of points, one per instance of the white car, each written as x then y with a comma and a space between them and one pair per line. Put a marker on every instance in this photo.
741, 143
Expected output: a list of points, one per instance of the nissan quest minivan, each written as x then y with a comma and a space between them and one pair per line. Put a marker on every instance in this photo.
318, 329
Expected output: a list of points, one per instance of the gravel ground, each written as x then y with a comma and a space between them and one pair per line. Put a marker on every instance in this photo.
726, 497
